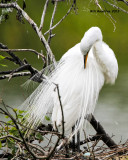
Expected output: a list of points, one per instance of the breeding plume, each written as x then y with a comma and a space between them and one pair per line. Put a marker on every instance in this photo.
80, 75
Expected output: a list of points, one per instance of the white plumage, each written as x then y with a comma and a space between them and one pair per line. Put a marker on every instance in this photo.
79, 85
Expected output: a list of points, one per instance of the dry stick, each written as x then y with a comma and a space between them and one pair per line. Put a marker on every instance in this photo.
114, 6
108, 15
50, 33
62, 112
53, 27
51, 23
100, 131
126, 2
21, 68
10, 59
90, 139
16, 59
43, 15
25, 67
15, 75
23, 50
34, 26
54, 148
6, 72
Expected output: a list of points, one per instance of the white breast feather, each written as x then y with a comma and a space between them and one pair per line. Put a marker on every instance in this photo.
79, 89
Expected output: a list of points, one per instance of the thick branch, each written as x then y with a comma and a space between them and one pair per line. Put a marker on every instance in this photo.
100, 131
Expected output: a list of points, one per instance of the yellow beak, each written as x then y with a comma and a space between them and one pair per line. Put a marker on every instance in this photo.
85, 60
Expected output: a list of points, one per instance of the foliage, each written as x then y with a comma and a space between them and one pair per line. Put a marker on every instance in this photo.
13, 134
15, 144
1, 58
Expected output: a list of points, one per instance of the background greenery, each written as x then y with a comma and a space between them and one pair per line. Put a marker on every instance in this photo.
112, 108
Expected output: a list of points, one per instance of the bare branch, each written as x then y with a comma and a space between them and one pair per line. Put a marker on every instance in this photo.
43, 15
114, 6
53, 27
108, 15
15, 75
16, 59
51, 23
126, 2
23, 50
100, 131
34, 26
62, 112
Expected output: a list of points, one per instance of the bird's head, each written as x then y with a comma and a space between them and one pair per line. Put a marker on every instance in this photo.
90, 37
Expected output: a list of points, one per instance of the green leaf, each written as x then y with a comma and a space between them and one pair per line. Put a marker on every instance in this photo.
13, 128
13, 131
1, 57
3, 65
20, 116
6, 116
10, 144
14, 149
15, 109
39, 137
47, 118
10, 122
0, 145
20, 111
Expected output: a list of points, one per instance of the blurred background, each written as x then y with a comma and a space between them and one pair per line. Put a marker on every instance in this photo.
112, 107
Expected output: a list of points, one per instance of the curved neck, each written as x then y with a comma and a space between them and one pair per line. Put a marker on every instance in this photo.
91, 36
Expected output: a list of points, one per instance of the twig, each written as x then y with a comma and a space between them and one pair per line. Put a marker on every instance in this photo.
17, 127
21, 135
54, 148
16, 59
15, 75
126, 2
34, 26
114, 6
51, 23
19, 140
108, 15
90, 139
23, 50
43, 15
53, 27
62, 112
21, 68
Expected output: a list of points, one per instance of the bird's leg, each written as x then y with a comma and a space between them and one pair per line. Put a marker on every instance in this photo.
78, 141
73, 140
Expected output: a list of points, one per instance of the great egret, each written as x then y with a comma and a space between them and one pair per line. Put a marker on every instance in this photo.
80, 75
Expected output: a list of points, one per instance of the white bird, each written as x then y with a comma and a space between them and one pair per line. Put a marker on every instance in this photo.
80, 75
